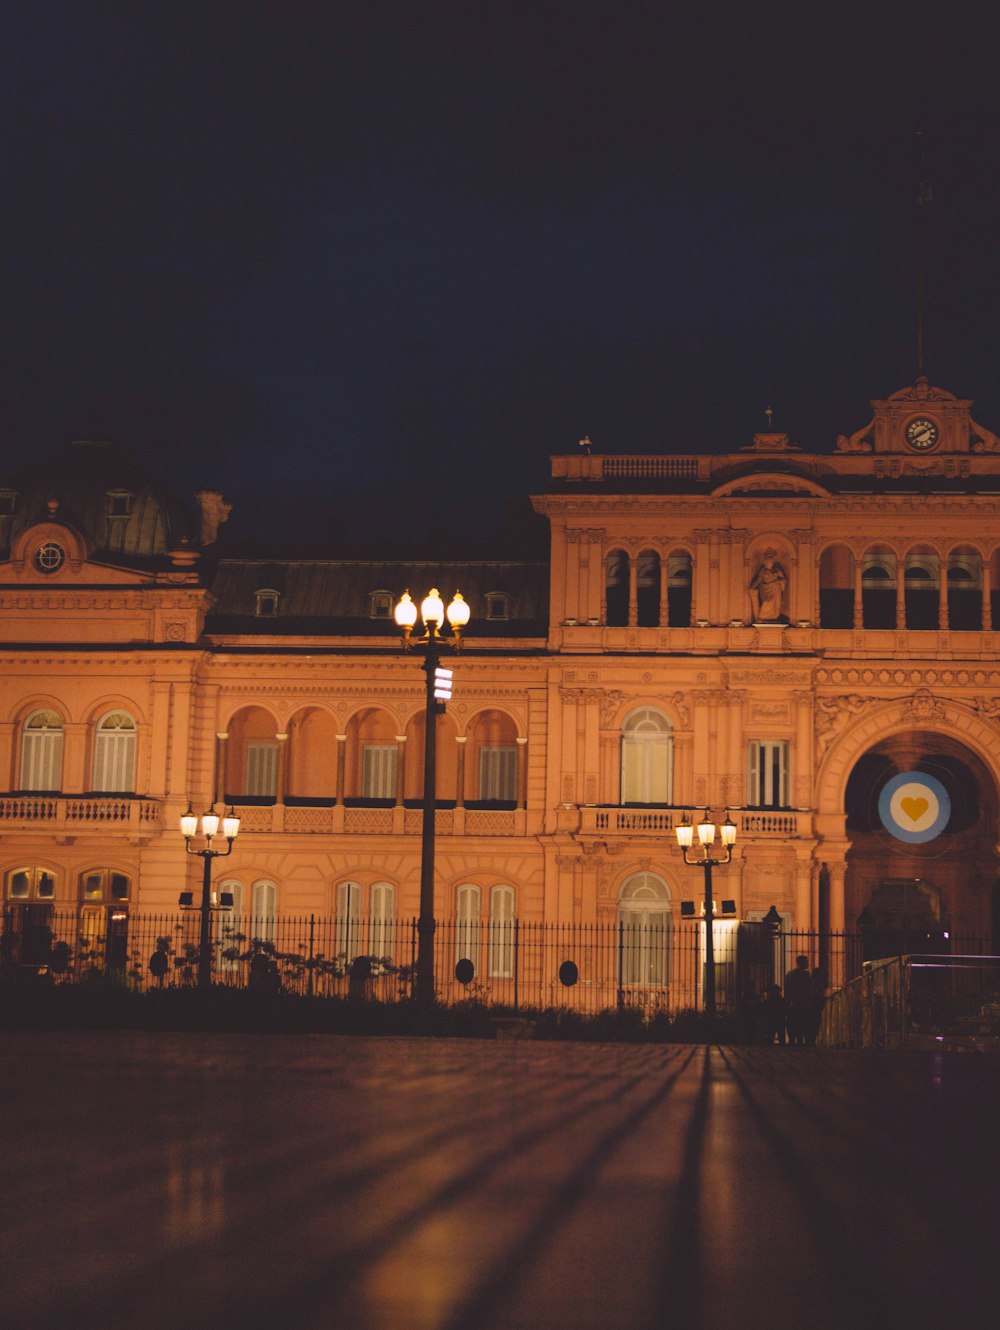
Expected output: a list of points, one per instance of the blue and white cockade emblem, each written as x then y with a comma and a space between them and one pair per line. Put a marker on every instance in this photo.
914, 807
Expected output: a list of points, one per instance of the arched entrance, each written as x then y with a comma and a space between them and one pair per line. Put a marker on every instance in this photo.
921, 820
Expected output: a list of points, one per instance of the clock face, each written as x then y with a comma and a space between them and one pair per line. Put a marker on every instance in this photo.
921, 433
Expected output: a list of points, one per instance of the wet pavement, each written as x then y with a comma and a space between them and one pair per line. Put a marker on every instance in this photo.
155, 1180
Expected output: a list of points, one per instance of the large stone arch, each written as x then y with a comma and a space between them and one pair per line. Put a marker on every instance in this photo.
880, 720
877, 880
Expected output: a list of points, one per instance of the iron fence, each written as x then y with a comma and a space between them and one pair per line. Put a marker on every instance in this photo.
586, 967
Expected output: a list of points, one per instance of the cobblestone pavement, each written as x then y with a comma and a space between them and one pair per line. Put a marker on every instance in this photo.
226, 1180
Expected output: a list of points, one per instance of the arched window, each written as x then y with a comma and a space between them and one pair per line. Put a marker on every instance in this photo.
27, 922
644, 921
647, 589
30, 884
381, 920
105, 884
41, 752
103, 929
501, 932
263, 911
114, 754
348, 922
679, 590
647, 761
467, 907
616, 589
232, 939
878, 589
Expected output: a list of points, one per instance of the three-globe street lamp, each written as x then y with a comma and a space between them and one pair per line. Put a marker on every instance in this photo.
706, 839
431, 645
209, 829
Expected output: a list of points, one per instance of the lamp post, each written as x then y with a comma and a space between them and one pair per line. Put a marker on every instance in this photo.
706, 839
431, 646
209, 829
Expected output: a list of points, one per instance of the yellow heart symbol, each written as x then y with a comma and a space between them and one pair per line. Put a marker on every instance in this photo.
914, 808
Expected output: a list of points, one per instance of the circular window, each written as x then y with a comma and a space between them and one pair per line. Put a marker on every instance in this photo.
49, 557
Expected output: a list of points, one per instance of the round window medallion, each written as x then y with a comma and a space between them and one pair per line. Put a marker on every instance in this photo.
49, 557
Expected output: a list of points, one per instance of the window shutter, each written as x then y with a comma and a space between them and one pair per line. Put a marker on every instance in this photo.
262, 770
498, 774
378, 771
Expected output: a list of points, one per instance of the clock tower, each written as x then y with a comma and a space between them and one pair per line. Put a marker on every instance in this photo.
921, 421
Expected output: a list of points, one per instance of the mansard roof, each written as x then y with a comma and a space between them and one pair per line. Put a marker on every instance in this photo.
323, 593
125, 514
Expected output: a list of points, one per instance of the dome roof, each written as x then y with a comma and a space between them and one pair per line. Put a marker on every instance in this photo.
99, 490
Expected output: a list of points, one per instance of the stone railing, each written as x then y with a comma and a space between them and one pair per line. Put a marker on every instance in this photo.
662, 821
76, 810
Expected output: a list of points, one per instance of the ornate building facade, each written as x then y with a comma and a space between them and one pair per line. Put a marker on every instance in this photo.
805, 639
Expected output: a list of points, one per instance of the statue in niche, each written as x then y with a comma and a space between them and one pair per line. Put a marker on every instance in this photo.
767, 589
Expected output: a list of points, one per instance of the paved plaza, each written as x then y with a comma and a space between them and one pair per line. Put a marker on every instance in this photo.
171, 1180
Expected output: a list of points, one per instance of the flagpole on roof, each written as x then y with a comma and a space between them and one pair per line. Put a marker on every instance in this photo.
924, 196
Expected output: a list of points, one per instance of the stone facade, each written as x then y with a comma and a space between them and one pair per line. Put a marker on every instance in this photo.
770, 631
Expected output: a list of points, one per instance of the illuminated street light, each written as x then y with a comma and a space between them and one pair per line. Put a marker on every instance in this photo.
431, 646
209, 829
706, 830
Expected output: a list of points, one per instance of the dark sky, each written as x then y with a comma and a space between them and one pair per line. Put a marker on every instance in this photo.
365, 266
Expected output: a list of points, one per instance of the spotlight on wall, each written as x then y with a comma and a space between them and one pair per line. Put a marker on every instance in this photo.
728, 907
687, 909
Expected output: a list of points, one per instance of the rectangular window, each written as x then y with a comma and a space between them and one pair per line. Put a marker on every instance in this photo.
348, 925
42, 760
498, 775
262, 770
501, 932
114, 761
767, 773
378, 771
264, 911
467, 925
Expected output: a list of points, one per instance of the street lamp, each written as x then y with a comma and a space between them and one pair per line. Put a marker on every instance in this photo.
209, 829
431, 646
706, 839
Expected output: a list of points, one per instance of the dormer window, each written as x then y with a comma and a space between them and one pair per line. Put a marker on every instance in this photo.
266, 603
497, 605
380, 605
119, 503
8, 501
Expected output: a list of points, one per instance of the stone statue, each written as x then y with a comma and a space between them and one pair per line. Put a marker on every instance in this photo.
767, 589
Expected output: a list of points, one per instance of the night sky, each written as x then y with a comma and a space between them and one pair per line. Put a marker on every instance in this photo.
365, 266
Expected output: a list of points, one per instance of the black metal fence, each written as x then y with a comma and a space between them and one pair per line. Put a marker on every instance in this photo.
587, 967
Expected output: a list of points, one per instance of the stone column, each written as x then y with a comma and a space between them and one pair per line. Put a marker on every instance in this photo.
401, 768
987, 615
462, 740
633, 590
859, 593
942, 593
664, 614
341, 765
522, 772
900, 593
282, 775
221, 750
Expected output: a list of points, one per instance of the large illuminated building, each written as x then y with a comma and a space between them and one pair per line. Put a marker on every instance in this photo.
806, 639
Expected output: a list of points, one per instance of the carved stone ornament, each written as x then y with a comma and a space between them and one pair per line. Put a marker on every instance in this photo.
610, 703
926, 706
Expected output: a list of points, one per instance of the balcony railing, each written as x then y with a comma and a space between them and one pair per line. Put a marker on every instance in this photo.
785, 823
56, 810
